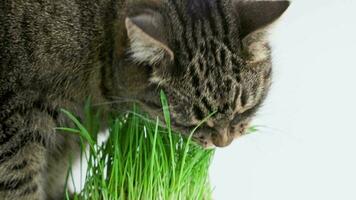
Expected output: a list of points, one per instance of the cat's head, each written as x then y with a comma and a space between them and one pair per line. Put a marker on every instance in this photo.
206, 55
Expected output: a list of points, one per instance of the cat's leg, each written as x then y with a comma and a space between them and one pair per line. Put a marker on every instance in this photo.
65, 152
24, 138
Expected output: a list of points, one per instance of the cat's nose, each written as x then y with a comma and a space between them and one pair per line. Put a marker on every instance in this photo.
222, 137
213, 137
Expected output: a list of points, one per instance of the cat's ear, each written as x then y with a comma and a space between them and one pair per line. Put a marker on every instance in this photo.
146, 40
255, 15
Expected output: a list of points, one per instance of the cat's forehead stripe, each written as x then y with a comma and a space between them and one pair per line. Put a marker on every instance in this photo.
189, 31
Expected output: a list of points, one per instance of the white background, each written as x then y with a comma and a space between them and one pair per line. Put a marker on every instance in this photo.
306, 147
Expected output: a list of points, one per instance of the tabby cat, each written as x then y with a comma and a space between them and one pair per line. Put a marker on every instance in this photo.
206, 55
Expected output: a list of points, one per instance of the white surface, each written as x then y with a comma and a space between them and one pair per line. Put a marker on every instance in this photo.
306, 149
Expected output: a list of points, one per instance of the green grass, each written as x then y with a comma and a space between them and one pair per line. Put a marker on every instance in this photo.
142, 159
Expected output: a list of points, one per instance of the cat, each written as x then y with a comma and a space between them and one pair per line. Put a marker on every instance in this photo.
206, 55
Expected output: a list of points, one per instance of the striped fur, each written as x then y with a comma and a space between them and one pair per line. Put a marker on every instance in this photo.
51, 54
54, 54
218, 67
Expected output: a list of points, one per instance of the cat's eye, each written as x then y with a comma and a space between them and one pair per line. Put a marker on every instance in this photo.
240, 117
244, 98
236, 120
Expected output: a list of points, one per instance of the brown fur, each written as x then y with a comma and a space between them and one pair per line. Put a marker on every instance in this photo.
55, 54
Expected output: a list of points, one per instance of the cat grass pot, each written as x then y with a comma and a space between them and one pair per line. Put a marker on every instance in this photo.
168, 79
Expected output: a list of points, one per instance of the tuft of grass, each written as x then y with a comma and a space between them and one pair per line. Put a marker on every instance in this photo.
142, 159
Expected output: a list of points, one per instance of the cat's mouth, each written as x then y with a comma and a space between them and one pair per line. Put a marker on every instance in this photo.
202, 139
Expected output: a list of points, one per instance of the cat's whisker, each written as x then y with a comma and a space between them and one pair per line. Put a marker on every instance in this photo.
269, 129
